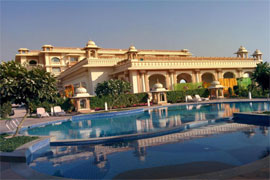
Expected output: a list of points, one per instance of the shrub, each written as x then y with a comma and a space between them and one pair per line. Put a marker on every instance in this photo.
179, 96
5, 109
230, 91
124, 100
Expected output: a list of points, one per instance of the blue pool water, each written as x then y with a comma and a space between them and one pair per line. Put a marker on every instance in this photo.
211, 147
148, 121
241, 145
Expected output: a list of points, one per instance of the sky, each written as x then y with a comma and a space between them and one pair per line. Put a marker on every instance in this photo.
205, 27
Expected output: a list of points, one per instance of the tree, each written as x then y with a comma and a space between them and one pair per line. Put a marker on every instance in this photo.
21, 86
113, 89
262, 75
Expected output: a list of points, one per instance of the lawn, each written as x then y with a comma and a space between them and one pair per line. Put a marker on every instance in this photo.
10, 144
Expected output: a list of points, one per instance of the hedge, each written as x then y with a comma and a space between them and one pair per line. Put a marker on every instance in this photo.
187, 86
179, 96
125, 100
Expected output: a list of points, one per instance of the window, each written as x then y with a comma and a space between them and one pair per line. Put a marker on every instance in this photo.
73, 59
32, 62
56, 70
55, 60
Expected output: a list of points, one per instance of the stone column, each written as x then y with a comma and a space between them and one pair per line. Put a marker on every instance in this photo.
143, 80
240, 72
198, 74
172, 79
146, 78
133, 81
167, 81
219, 74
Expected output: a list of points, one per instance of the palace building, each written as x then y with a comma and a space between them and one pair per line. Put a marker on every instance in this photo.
92, 64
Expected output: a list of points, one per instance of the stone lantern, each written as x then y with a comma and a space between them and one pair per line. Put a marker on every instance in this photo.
82, 101
216, 90
159, 94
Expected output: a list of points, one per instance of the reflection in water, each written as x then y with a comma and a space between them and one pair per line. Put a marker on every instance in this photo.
149, 121
99, 159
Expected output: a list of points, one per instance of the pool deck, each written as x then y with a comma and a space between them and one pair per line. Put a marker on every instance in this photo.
16, 170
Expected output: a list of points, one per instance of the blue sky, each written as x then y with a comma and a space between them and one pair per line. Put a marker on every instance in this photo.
206, 28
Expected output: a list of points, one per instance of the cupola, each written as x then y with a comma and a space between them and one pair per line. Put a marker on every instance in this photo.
257, 54
23, 51
47, 47
91, 49
132, 52
242, 52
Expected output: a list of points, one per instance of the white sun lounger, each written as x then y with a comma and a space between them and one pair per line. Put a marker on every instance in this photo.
42, 113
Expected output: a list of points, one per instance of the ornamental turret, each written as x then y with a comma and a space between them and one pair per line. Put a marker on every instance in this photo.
242, 52
257, 54
91, 49
132, 52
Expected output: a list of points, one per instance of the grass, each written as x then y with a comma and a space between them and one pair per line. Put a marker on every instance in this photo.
2, 119
10, 144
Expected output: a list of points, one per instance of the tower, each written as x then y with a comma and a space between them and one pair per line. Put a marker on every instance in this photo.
91, 49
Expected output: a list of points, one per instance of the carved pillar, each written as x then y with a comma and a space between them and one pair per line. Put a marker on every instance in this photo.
167, 80
143, 80
139, 83
172, 79
198, 74
240, 72
146, 78
219, 74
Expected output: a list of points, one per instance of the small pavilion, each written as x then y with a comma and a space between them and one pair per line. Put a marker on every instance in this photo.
82, 101
216, 90
159, 94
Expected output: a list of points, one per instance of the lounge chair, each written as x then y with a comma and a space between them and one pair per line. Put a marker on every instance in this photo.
58, 111
197, 98
201, 99
189, 99
42, 113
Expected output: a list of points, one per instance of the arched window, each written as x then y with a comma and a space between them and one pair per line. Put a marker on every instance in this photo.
32, 62
55, 60
228, 75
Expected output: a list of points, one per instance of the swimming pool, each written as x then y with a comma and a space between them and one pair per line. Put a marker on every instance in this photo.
202, 150
200, 145
149, 121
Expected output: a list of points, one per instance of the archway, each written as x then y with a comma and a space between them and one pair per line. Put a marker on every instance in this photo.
33, 62
247, 74
184, 78
228, 75
157, 77
208, 77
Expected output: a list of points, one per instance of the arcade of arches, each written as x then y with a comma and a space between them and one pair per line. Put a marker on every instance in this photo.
146, 79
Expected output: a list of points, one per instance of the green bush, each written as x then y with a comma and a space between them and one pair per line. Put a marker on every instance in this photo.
187, 86
64, 103
124, 100
5, 109
179, 96
10, 144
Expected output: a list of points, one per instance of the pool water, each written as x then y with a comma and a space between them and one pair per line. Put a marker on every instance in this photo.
152, 120
223, 145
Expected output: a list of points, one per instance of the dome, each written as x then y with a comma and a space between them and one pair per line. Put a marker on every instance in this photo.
132, 48
157, 85
91, 43
242, 49
214, 83
80, 90
257, 52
